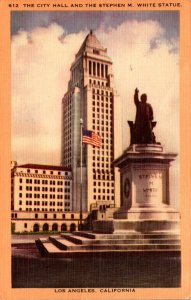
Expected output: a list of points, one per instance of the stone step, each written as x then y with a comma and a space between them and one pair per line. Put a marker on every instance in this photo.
53, 249
63, 244
127, 235
76, 239
46, 248
50, 251
86, 234
59, 247
44, 240
85, 241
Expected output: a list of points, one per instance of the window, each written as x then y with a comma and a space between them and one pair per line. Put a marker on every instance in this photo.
95, 51
54, 216
94, 68
45, 216
90, 67
72, 216
25, 225
20, 180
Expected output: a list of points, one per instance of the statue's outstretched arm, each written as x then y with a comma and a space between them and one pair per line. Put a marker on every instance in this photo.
136, 96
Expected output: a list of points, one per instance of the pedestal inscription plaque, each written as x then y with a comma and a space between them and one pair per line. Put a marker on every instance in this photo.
150, 186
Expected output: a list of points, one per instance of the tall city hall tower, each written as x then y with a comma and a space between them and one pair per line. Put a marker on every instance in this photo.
92, 98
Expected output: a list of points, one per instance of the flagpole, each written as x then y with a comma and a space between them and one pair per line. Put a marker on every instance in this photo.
81, 136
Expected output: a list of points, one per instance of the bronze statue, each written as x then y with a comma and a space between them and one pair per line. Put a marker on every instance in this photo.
142, 130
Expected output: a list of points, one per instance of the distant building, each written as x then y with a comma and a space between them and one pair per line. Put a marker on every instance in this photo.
92, 96
41, 188
41, 197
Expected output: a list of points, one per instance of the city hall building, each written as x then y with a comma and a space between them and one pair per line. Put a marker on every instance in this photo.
92, 97
45, 197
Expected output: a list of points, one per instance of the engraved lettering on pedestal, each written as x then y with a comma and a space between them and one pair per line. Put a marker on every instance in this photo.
150, 187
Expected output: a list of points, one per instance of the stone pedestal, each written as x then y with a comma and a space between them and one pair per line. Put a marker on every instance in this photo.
145, 200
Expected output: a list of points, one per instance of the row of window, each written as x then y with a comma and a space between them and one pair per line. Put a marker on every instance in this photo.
102, 177
45, 209
104, 121
44, 203
103, 197
101, 116
99, 83
102, 165
102, 92
103, 183
46, 196
49, 172
100, 130
100, 122
46, 216
106, 111
103, 104
102, 100
98, 158
96, 151
49, 182
38, 189
67, 197
103, 191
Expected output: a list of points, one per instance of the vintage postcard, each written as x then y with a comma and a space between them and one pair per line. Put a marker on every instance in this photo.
95, 149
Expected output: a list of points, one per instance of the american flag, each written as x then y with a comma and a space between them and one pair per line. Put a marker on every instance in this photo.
92, 138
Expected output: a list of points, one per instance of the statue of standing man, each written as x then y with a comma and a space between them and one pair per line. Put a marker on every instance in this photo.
141, 131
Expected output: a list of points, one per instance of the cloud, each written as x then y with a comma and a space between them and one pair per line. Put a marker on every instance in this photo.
41, 61
142, 57
154, 70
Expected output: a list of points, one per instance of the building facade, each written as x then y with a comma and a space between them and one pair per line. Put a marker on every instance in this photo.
41, 199
41, 188
92, 97
29, 221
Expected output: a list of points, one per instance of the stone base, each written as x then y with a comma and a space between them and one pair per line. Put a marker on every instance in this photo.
144, 181
143, 213
142, 226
